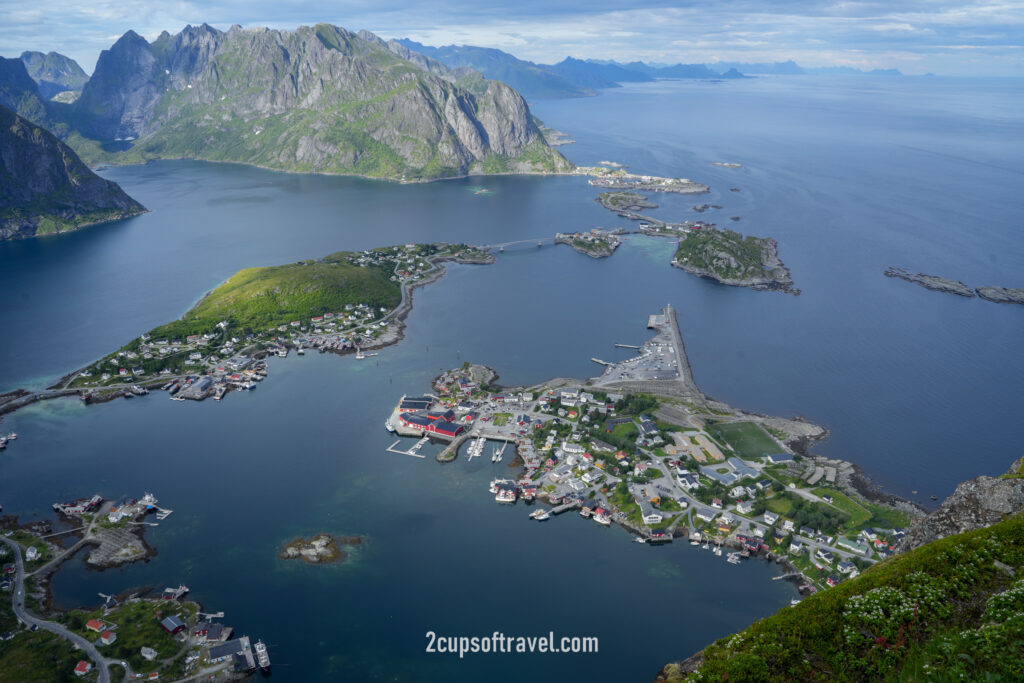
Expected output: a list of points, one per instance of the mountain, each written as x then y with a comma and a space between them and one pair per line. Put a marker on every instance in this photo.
45, 188
674, 71
788, 68
534, 81
53, 72
20, 94
949, 607
596, 75
318, 99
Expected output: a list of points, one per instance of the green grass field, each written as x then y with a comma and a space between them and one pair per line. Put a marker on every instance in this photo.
748, 439
779, 505
858, 514
501, 419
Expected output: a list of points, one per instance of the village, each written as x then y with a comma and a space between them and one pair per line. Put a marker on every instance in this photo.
149, 637
225, 359
662, 468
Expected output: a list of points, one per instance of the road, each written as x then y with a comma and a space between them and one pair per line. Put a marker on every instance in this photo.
20, 611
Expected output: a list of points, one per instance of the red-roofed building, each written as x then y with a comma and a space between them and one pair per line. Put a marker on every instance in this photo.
107, 637
95, 625
82, 668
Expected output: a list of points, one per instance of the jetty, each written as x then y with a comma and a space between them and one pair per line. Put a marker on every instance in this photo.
414, 451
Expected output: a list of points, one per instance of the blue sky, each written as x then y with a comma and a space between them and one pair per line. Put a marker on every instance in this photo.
956, 37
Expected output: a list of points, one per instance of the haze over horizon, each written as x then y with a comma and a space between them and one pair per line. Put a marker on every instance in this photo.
949, 37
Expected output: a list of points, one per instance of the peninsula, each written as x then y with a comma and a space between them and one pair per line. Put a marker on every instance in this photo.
640, 446
346, 302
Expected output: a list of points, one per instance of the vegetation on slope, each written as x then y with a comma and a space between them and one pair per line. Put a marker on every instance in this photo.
255, 299
952, 609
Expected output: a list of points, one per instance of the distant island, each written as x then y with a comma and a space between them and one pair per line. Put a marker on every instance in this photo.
44, 187
999, 295
597, 243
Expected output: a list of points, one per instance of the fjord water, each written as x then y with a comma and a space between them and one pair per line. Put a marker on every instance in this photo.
851, 176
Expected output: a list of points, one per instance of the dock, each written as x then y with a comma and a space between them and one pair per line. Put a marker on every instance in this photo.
566, 506
626, 346
414, 451
600, 362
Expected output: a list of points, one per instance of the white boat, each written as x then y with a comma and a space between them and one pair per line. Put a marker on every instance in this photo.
540, 514
262, 657
602, 518
387, 426
638, 539
301, 351
794, 601
718, 550
282, 353
12, 436
505, 495
705, 546
694, 542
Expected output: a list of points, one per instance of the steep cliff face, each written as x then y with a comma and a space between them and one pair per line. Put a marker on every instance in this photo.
18, 92
45, 188
53, 72
314, 99
975, 504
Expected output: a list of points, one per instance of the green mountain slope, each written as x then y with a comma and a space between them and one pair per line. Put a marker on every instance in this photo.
952, 609
45, 188
318, 99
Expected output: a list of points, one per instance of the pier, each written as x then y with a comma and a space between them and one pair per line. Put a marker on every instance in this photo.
600, 362
414, 451
626, 346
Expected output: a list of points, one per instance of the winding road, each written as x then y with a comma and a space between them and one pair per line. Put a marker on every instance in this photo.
18, 605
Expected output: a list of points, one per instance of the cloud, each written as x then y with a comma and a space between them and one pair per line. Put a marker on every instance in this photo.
889, 32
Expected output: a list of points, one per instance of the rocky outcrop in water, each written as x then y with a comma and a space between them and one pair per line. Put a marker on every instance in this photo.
45, 188
1002, 295
939, 284
975, 504
318, 99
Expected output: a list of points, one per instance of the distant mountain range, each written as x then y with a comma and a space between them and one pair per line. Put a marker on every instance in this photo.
578, 78
45, 188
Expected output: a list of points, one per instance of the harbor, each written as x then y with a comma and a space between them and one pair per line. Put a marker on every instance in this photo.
642, 448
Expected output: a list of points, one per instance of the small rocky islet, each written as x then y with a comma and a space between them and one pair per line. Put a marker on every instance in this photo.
320, 549
999, 295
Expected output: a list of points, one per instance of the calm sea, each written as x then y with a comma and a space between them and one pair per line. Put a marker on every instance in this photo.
921, 389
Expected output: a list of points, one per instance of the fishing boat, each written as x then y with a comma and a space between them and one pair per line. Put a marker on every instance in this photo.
540, 514
639, 539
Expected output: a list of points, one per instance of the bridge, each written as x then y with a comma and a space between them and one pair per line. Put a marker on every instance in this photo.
501, 246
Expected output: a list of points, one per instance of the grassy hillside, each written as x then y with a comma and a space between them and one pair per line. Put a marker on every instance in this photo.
256, 299
949, 610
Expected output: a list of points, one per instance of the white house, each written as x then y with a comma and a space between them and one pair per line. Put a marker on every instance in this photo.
770, 517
